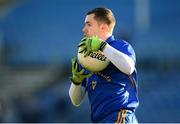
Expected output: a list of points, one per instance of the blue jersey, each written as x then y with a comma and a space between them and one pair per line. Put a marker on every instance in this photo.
111, 90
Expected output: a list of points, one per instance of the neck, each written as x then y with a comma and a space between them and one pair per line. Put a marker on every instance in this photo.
105, 37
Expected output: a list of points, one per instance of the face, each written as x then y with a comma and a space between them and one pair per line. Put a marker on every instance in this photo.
91, 27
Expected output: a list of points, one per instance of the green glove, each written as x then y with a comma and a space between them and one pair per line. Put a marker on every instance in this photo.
90, 44
78, 75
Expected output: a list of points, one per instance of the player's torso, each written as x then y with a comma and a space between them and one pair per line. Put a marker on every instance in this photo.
109, 91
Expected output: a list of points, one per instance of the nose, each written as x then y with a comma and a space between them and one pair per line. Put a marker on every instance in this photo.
84, 30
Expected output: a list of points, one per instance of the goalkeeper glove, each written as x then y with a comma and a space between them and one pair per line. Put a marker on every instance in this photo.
90, 44
78, 75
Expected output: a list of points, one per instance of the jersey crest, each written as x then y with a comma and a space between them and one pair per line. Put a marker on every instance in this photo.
94, 83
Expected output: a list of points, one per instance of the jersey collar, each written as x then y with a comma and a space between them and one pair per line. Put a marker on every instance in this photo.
110, 39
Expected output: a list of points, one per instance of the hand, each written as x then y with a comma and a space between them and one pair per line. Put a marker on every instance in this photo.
78, 75
90, 44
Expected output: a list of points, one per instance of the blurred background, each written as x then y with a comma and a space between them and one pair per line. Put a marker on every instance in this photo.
38, 38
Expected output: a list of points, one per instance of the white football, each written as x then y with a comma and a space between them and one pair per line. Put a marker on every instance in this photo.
95, 62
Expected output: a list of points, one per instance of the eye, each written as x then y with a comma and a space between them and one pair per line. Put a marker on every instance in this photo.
88, 24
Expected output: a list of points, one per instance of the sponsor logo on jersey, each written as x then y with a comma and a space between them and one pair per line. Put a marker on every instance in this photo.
106, 77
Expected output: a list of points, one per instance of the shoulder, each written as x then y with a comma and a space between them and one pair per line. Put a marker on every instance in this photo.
123, 46
117, 42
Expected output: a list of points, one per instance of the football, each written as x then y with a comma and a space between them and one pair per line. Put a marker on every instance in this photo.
95, 62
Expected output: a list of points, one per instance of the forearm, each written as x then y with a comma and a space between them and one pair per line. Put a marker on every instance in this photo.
76, 93
122, 61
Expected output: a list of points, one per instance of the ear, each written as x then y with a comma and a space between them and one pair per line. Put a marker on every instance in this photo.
104, 27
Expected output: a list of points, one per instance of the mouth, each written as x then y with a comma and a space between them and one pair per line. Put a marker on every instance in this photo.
86, 35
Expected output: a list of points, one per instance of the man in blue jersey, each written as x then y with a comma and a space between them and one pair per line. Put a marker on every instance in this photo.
112, 92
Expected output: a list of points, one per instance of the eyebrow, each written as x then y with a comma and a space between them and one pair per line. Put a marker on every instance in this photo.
88, 22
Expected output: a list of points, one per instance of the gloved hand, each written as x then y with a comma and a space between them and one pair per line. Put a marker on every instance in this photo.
90, 44
78, 75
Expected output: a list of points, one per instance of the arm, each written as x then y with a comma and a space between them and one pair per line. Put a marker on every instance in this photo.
76, 93
122, 61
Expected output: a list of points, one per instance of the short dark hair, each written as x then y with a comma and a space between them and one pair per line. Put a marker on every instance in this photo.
103, 15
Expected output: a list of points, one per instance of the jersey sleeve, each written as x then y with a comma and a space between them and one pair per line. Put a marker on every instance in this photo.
84, 83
